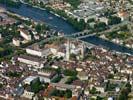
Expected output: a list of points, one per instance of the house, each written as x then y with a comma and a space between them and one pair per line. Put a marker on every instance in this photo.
16, 42
28, 94
30, 79
64, 87
25, 34
36, 62
100, 88
82, 75
123, 15
104, 19
47, 92
47, 76
79, 84
37, 50
4, 95
37, 37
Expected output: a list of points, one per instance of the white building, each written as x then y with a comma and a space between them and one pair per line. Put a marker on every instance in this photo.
28, 94
25, 34
31, 60
47, 76
68, 51
37, 51
30, 79
16, 42
104, 19
82, 75
0, 36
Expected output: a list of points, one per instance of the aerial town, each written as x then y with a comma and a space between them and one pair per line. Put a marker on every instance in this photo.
66, 49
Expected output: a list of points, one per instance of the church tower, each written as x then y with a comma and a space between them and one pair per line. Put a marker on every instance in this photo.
68, 50
83, 50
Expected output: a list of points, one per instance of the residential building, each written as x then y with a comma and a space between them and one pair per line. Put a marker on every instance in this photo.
47, 76
25, 34
31, 60
16, 42
37, 50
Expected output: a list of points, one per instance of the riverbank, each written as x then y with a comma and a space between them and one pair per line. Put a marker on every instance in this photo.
11, 3
42, 15
78, 25
108, 45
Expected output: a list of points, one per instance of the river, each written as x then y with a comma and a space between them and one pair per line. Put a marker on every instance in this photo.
60, 24
37, 14
107, 44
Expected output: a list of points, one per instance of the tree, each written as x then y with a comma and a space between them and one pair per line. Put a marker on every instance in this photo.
68, 93
114, 20
123, 95
90, 20
68, 72
71, 79
11, 3
36, 86
99, 98
93, 90
72, 56
128, 85
74, 3
100, 26
1, 85
125, 91
110, 76
38, 28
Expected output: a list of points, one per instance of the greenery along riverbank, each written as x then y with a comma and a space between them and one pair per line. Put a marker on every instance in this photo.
74, 3
79, 25
10, 3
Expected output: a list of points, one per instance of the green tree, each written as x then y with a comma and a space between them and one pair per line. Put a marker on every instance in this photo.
93, 90
36, 86
68, 93
114, 20
68, 72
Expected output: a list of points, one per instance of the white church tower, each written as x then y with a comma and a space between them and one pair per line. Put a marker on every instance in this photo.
68, 50
83, 48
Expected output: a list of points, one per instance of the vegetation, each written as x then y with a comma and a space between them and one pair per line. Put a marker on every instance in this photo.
114, 20
100, 26
60, 93
70, 72
91, 20
125, 91
41, 27
8, 32
93, 91
72, 56
4, 51
109, 12
36, 86
1, 85
14, 74
110, 76
10, 3
74, 3
90, 57
100, 98
110, 86
57, 79
71, 79
119, 35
